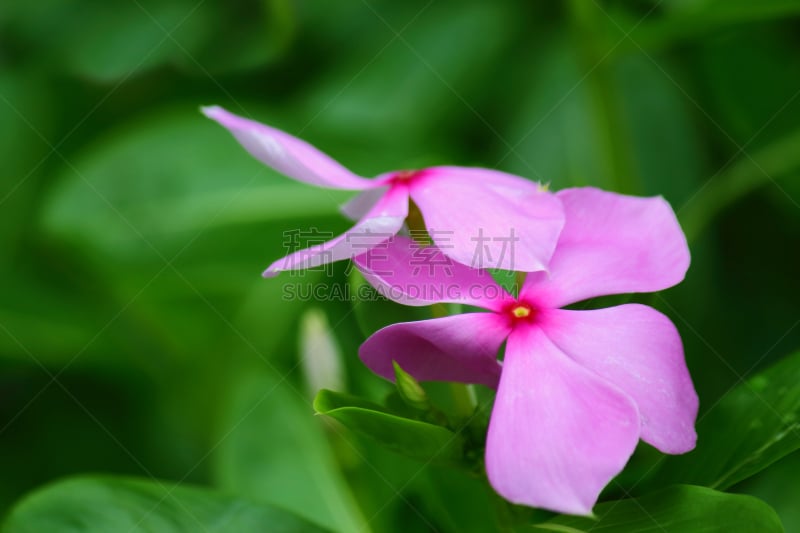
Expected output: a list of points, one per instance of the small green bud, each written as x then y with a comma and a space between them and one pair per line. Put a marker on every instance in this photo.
410, 390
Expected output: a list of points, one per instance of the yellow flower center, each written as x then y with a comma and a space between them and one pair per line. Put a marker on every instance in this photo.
521, 311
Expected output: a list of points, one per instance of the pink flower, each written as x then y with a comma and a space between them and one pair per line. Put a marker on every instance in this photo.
576, 390
461, 206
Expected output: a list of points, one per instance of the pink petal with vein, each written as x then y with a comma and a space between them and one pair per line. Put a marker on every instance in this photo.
611, 244
488, 219
460, 348
412, 274
639, 350
558, 433
287, 154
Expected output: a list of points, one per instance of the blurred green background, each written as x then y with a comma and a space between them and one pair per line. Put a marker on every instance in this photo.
136, 335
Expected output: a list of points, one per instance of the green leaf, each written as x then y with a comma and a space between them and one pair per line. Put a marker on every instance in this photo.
273, 449
774, 487
753, 426
103, 504
412, 438
678, 509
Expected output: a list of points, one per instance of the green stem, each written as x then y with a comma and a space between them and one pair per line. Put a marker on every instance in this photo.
464, 400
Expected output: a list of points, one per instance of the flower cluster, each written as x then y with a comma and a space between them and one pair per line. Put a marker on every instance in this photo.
576, 389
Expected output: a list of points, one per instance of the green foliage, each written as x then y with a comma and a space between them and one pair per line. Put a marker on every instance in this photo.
101, 504
676, 509
419, 440
279, 455
752, 426
771, 165
143, 191
137, 338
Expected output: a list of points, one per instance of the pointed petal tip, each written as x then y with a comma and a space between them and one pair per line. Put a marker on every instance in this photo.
575, 508
211, 111
270, 273
680, 445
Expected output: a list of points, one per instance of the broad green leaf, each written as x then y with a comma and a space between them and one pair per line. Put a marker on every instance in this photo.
412, 438
104, 503
751, 427
777, 486
677, 509
440, 487
273, 449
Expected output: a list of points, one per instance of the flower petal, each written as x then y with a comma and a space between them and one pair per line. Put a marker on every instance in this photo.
360, 205
287, 154
488, 219
558, 433
611, 244
413, 274
639, 350
382, 222
459, 348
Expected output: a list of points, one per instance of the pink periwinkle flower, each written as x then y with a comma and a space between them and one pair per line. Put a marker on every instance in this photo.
576, 389
460, 205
